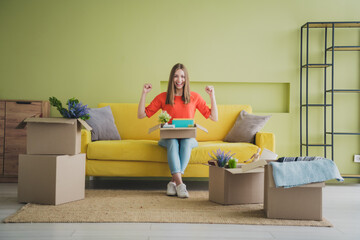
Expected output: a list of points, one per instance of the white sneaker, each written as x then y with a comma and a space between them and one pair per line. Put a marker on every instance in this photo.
181, 191
171, 189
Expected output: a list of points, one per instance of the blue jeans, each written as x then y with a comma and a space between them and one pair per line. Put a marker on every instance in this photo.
178, 152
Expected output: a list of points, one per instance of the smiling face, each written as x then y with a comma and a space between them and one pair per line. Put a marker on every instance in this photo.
178, 84
179, 79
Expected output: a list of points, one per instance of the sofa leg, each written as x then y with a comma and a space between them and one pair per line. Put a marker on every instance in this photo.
91, 178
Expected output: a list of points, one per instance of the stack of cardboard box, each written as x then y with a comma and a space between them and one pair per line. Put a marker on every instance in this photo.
53, 170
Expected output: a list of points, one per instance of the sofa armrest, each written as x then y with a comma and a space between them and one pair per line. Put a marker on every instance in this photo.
265, 140
85, 140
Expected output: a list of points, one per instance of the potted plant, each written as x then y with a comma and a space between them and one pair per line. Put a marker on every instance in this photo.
220, 158
164, 118
75, 108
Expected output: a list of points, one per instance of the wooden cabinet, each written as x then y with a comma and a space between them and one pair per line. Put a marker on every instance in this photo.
13, 140
2, 132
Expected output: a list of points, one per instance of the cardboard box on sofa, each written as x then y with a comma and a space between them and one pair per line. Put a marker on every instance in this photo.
186, 132
51, 179
298, 203
54, 135
236, 186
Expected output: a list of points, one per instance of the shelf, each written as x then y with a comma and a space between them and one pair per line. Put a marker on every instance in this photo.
316, 65
350, 175
345, 90
343, 133
328, 64
317, 145
317, 105
344, 48
330, 24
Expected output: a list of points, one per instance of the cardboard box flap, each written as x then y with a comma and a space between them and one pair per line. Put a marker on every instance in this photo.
57, 120
154, 128
248, 168
50, 120
253, 165
201, 128
84, 124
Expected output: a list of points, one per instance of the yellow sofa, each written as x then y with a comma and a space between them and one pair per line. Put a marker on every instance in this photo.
137, 154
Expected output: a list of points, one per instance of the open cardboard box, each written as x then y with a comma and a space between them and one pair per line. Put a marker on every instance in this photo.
241, 185
300, 203
51, 179
186, 132
54, 135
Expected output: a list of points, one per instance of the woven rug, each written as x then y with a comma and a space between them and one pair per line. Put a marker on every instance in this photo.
102, 206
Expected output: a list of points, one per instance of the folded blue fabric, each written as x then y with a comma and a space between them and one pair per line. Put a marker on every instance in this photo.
292, 174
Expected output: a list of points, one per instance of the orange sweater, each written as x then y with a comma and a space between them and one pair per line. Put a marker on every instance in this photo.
179, 109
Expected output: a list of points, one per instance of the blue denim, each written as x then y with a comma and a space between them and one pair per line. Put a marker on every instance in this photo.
178, 152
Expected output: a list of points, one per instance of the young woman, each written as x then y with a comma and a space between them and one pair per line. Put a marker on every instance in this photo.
179, 102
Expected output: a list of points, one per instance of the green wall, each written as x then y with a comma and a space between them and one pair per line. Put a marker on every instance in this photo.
104, 51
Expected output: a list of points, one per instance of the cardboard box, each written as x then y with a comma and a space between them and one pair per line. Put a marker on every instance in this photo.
51, 179
236, 186
54, 135
187, 132
298, 203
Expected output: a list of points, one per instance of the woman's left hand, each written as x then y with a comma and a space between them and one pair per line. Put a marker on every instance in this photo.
210, 90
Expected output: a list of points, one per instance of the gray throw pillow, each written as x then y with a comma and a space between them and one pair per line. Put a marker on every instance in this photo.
245, 127
103, 124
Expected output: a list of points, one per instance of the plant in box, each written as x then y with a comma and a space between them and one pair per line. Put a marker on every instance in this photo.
220, 158
164, 117
75, 108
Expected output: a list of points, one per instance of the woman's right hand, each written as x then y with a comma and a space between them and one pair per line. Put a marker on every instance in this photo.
141, 108
147, 87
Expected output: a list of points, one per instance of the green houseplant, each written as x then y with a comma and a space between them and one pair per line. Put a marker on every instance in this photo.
221, 158
164, 117
75, 108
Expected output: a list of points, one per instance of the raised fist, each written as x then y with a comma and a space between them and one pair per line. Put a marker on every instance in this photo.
210, 90
147, 88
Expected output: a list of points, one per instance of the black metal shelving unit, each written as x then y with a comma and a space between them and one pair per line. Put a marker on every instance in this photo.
329, 91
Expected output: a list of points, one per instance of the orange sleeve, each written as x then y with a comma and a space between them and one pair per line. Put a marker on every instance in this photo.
202, 106
155, 105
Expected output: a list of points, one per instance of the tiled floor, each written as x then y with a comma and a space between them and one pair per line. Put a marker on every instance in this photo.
341, 206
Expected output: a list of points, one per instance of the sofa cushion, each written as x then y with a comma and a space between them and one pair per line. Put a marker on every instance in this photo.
246, 127
131, 150
150, 151
103, 125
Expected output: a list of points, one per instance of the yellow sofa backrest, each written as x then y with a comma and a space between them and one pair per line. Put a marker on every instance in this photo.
130, 127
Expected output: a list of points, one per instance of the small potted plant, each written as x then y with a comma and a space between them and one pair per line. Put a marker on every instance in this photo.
232, 162
164, 118
220, 158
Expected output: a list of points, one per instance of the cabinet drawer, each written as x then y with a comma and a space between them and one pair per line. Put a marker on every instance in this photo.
13, 147
1, 165
2, 143
14, 144
2, 126
2, 122
2, 110
11, 162
17, 112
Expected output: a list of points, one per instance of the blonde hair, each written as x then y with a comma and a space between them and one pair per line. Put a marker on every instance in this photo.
170, 96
